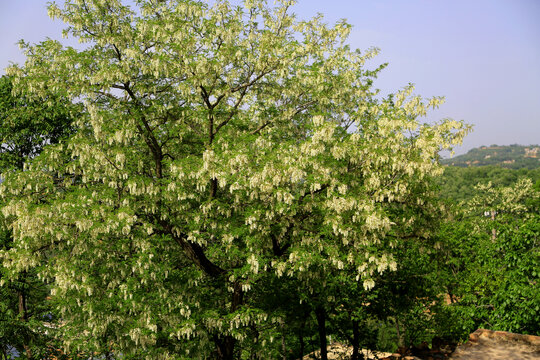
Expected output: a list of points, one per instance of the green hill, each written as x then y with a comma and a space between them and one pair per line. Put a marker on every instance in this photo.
512, 157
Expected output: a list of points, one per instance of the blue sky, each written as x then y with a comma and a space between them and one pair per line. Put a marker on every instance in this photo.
483, 55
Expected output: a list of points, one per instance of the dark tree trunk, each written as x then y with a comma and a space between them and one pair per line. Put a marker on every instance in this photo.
283, 344
320, 313
301, 338
253, 354
356, 355
398, 331
23, 314
225, 345
307, 314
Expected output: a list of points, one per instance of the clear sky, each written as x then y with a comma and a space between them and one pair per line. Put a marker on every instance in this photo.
483, 55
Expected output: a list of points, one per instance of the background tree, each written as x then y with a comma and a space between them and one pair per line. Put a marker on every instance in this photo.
459, 184
492, 254
222, 148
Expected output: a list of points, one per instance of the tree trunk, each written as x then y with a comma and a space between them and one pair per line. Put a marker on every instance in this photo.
225, 345
356, 355
320, 313
301, 337
254, 354
400, 342
283, 345
23, 314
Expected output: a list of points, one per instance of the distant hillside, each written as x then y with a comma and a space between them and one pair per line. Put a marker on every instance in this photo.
512, 157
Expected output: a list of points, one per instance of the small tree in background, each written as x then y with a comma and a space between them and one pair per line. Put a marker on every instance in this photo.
492, 251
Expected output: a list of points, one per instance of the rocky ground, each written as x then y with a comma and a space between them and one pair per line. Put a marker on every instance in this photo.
498, 345
482, 345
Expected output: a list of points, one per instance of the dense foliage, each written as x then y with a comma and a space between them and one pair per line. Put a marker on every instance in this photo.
459, 183
491, 257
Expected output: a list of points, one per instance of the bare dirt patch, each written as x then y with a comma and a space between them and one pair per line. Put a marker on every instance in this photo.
498, 345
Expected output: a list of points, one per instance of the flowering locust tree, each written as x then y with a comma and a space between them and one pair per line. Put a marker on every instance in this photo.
222, 147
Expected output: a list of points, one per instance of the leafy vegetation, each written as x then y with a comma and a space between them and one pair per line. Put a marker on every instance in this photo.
491, 255
491, 246
230, 187
459, 184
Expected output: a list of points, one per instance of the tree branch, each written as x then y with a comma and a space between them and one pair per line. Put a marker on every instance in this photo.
193, 251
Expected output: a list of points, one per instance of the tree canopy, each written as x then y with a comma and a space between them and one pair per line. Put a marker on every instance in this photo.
222, 149
491, 258
460, 184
